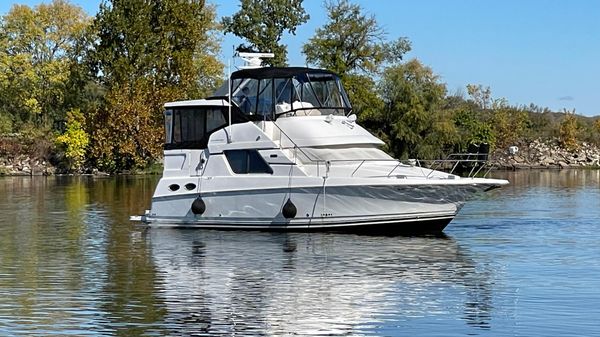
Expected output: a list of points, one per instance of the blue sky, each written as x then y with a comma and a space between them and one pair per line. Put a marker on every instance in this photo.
545, 52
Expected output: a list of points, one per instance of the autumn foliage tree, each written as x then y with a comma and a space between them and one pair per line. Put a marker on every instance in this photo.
39, 47
568, 131
509, 124
74, 141
147, 53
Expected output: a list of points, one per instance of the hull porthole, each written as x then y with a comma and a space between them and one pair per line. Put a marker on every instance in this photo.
289, 209
198, 206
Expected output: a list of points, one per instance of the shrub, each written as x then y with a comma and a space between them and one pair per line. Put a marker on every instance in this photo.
6, 124
74, 141
568, 131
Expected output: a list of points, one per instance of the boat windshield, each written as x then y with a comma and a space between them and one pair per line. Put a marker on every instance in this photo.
273, 92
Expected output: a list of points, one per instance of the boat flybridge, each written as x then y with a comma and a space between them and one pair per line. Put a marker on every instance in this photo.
279, 148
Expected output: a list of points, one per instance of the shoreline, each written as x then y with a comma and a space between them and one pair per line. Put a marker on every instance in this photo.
503, 166
531, 155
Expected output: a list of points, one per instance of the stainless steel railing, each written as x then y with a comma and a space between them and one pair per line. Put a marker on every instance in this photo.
475, 163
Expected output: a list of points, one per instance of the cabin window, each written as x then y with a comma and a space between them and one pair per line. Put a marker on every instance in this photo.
214, 119
191, 127
168, 126
176, 127
247, 161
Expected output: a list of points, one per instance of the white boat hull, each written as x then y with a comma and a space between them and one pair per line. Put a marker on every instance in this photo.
383, 207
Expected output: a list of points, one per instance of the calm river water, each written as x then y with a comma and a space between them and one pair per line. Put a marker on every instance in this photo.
523, 260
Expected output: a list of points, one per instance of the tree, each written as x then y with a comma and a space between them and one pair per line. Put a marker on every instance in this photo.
263, 22
506, 123
74, 141
39, 47
353, 45
352, 42
480, 95
148, 53
412, 121
127, 130
509, 124
569, 131
366, 104
474, 127
169, 41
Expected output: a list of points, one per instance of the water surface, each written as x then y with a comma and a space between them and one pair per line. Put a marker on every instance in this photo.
523, 260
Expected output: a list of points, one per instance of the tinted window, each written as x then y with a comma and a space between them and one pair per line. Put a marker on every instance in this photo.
214, 119
238, 161
192, 125
256, 163
247, 161
177, 128
168, 126
190, 128
244, 94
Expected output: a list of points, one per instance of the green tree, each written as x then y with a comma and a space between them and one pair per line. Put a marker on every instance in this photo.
509, 124
263, 22
413, 122
148, 53
473, 127
354, 45
366, 104
39, 47
352, 41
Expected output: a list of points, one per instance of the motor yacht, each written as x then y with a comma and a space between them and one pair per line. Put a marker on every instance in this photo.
278, 148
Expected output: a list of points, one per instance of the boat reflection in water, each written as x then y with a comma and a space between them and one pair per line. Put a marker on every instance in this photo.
257, 283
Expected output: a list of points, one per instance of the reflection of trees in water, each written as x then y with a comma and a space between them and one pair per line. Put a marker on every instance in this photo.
567, 178
253, 283
113, 262
537, 194
42, 250
71, 257
123, 196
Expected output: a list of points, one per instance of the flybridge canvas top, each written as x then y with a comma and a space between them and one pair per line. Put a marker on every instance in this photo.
278, 72
270, 92
256, 94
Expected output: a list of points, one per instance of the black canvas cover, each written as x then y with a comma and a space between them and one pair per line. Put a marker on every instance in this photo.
277, 72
